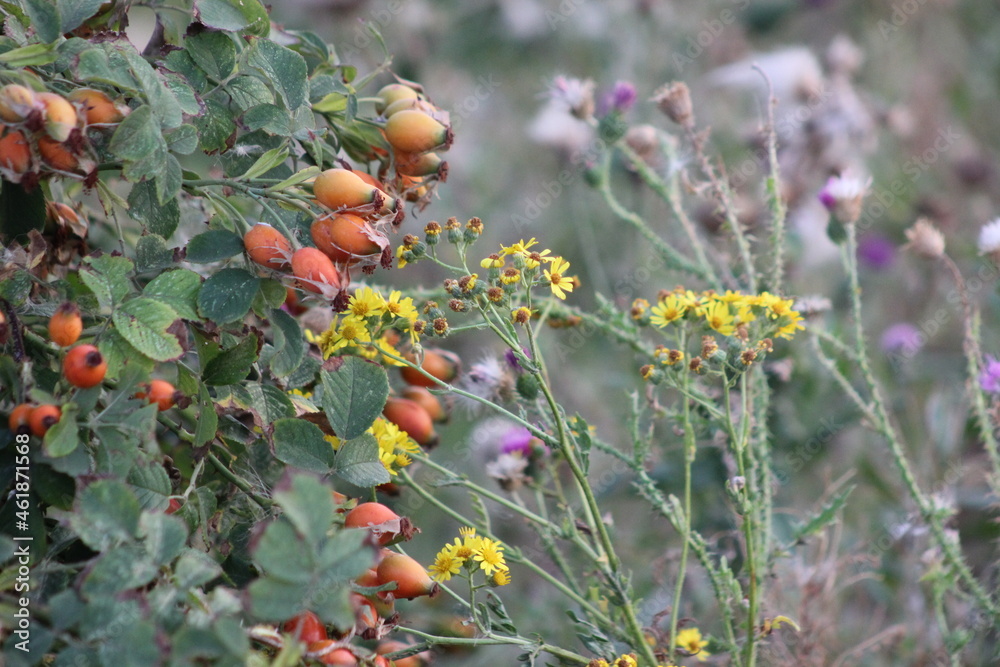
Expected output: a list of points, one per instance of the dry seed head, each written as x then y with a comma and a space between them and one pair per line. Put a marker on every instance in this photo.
674, 101
925, 239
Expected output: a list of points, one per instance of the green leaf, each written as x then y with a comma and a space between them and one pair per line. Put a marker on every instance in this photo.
823, 518
120, 354
249, 91
234, 15
215, 127
354, 395
151, 486
307, 504
64, 436
301, 444
227, 296
144, 206
357, 462
269, 118
208, 420
118, 570
289, 343
213, 245
20, 211
45, 19
275, 600
75, 12
152, 253
106, 513
213, 52
32, 55
282, 68
143, 322
183, 140
232, 365
265, 163
195, 568
282, 554
139, 142
165, 536
164, 104
55, 488
178, 289
107, 278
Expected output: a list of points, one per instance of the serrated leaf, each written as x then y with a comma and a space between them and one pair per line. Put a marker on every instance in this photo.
178, 289
232, 365
151, 486
143, 322
152, 253
301, 444
234, 15
120, 354
195, 568
213, 245
107, 278
249, 91
118, 570
357, 462
64, 436
354, 395
213, 52
289, 343
183, 140
227, 296
208, 420
282, 553
164, 104
307, 504
105, 512
282, 68
74, 12
144, 206
45, 19
215, 127
165, 536
276, 600
138, 142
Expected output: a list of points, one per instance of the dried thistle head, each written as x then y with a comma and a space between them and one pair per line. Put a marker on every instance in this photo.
674, 100
925, 239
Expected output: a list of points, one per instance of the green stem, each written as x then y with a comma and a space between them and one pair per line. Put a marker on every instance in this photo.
690, 452
492, 639
883, 423
239, 482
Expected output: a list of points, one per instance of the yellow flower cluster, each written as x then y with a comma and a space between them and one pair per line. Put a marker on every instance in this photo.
394, 445
526, 262
626, 660
725, 313
471, 551
365, 326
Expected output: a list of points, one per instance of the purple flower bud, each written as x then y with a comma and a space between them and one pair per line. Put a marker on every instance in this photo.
989, 378
877, 251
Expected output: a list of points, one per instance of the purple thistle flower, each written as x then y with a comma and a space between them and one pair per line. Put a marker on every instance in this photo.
517, 439
877, 251
902, 337
620, 98
989, 378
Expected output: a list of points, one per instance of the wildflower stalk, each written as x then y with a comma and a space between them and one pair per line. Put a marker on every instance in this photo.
670, 256
739, 444
725, 196
671, 195
430, 640
613, 562
883, 423
775, 201
974, 361
690, 451
512, 554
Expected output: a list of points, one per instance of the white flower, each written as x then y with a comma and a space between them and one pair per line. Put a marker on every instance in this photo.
989, 237
842, 196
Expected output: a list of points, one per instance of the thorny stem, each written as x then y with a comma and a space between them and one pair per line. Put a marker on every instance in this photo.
690, 451
777, 203
671, 195
724, 194
672, 258
949, 548
974, 361
239, 482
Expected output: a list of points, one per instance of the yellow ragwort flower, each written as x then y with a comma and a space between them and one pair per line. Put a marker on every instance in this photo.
558, 281
489, 555
669, 310
718, 316
445, 565
400, 307
690, 640
365, 302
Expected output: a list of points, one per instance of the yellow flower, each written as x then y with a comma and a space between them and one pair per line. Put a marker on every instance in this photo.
494, 261
670, 309
400, 307
385, 347
521, 247
399, 255
365, 302
794, 324
501, 577
718, 317
352, 331
334, 441
510, 276
559, 282
732, 298
744, 314
445, 565
627, 660
533, 259
690, 640
489, 555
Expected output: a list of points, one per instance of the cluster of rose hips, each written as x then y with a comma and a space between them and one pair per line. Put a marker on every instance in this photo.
43, 132
374, 610
83, 367
358, 206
